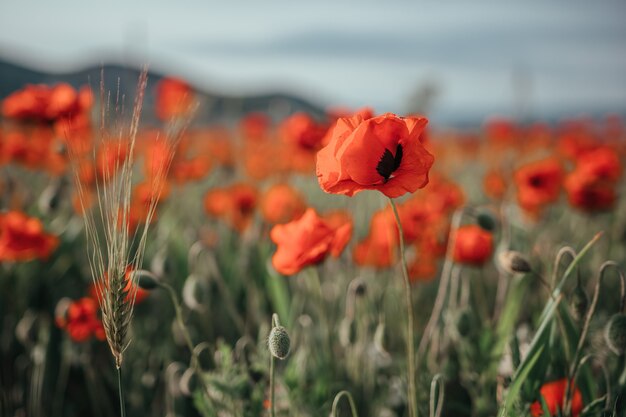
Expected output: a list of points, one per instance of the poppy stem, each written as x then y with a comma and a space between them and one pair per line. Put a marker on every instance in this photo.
348, 396
195, 360
120, 391
409, 307
272, 387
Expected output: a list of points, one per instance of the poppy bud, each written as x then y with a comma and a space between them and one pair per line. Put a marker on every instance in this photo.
514, 262
486, 220
615, 334
579, 303
147, 281
359, 287
464, 323
279, 342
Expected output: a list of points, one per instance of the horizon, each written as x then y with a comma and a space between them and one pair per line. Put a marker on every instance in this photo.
530, 62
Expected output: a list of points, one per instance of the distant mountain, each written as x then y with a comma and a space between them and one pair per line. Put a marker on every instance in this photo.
214, 106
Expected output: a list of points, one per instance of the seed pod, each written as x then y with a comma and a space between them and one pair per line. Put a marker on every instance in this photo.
359, 287
486, 220
146, 281
514, 262
279, 342
615, 334
464, 323
579, 303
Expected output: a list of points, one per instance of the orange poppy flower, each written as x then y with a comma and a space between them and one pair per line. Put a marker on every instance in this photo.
303, 242
174, 98
235, 204
423, 268
554, 395
220, 149
110, 157
46, 104
341, 223
589, 194
473, 245
81, 320
190, 169
382, 153
494, 185
600, 164
23, 238
282, 203
255, 126
539, 184
502, 132
378, 248
302, 131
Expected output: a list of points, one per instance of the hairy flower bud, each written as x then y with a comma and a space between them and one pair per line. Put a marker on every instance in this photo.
579, 303
279, 342
615, 333
486, 219
514, 262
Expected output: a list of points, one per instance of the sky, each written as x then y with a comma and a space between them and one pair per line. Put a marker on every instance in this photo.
480, 57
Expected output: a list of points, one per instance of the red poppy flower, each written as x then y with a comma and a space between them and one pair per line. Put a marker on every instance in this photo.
255, 126
23, 238
282, 203
341, 223
539, 183
302, 131
81, 320
303, 242
600, 164
235, 204
174, 98
473, 245
423, 268
381, 153
589, 194
131, 289
47, 104
554, 395
502, 132
494, 185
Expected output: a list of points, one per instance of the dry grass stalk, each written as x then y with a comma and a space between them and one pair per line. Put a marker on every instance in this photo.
112, 245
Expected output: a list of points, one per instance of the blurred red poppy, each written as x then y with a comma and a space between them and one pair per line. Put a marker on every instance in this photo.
302, 131
282, 203
81, 320
23, 238
235, 204
174, 98
554, 395
539, 184
473, 245
379, 247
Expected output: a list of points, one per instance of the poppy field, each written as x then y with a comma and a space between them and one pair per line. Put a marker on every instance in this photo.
355, 264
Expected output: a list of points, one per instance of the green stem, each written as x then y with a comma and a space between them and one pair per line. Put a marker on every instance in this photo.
409, 310
121, 391
275, 323
179, 317
272, 402
338, 397
195, 361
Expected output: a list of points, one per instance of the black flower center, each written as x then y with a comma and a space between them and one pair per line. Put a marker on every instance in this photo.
536, 181
388, 163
